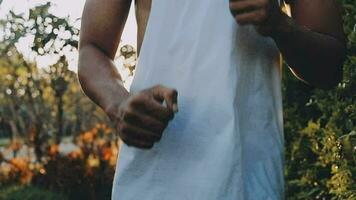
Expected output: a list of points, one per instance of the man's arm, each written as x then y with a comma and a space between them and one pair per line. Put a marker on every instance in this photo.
141, 117
101, 29
312, 41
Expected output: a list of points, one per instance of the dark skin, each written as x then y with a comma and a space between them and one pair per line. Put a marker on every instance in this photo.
311, 41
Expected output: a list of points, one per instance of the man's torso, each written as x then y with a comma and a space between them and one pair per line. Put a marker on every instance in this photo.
226, 141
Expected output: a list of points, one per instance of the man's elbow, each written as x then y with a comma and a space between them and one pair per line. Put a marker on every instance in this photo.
82, 64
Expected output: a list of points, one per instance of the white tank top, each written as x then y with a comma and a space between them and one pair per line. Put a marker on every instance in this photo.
226, 141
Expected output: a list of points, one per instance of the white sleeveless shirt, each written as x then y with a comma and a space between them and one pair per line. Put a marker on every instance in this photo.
226, 141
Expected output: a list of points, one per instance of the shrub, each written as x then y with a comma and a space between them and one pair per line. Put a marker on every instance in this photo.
29, 193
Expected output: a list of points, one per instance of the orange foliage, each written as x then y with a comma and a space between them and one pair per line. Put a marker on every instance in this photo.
107, 153
21, 166
53, 150
75, 155
96, 147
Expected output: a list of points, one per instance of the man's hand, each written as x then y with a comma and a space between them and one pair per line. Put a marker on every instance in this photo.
142, 117
264, 14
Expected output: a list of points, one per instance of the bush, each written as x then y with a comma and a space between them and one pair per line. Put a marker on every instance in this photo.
84, 173
29, 193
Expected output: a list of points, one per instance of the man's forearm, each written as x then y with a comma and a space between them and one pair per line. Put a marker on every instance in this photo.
314, 57
99, 78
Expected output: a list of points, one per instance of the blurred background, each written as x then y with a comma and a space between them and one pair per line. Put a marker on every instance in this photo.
56, 144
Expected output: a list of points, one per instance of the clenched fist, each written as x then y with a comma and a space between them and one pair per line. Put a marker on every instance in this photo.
142, 117
265, 14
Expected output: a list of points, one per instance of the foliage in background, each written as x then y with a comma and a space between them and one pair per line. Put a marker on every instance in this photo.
29, 193
320, 130
41, 105
84, 173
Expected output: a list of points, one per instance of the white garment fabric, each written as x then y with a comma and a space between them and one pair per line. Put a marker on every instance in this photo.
226, 141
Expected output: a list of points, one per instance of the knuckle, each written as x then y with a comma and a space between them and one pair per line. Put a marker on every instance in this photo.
158, 86
263, 14
145, 91
141, 98
135, 101
264, 2
173, 92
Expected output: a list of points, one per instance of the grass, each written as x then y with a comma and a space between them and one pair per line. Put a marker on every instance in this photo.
29, 193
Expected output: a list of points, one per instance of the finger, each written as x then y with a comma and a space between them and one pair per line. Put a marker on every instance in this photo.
256, 17
145, 103
157, 111
144, 121
138, 143
132, 141
131, 132
239, 7
161, 93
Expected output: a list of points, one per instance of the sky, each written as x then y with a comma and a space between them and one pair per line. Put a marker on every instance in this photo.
62, 8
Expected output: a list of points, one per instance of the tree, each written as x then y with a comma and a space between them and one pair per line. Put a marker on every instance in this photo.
34, 97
